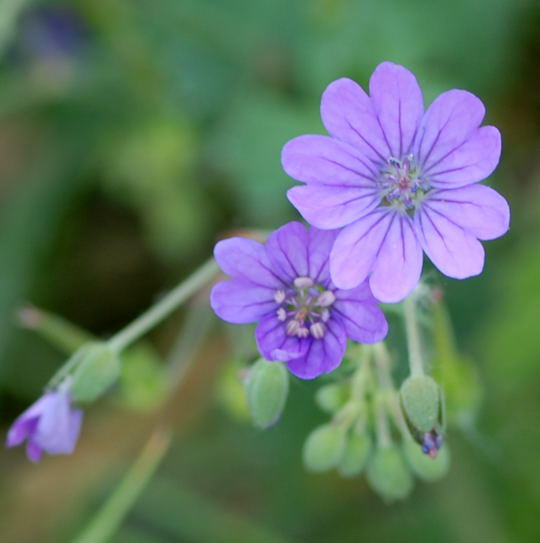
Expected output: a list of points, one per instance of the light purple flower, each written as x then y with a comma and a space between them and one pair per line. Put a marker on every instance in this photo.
285, 286
50, 424
399, 181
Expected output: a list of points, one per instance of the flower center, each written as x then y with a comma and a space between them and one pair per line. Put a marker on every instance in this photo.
402, 184
304, 308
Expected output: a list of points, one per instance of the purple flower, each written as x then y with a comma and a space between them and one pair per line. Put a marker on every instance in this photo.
398, 180
285, 286
50, 424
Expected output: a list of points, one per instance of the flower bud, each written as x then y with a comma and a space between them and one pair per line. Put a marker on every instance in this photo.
388, 474
324, 447
424, 466
421, 402
96, 368
355, 454
330, 398
267, 386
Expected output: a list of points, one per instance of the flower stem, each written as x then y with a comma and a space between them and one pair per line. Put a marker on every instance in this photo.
412, 331
164, 307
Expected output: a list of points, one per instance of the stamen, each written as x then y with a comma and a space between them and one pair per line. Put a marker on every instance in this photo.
317, 330
326, 299
303, 282
279, 296
281, 314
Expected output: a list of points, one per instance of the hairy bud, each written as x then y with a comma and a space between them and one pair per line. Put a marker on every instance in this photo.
355, 455
426, 467
267, 387
324, 447
422, 403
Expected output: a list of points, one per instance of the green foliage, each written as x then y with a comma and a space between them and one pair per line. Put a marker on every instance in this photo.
356, 453
421, 401
324, 447
426, 468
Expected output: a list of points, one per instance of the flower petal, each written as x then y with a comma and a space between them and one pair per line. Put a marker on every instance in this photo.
287, 250
53, 433
468, 162
398, 266
320, 244
398, 103
357, 245
320, 159
362, 319
246, 260
33, 451
326, 206
456, 252
478, 209
275, 344
26, 422
348, 115
239, 302
323, 355
447, 123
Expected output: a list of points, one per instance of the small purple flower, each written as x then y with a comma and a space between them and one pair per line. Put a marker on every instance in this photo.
285, 286
398, 180
50, 424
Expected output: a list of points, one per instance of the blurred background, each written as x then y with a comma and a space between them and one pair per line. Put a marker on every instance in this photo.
133, 134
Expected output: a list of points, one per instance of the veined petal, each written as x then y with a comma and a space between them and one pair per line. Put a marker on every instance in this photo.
321, 159
362, 319
398, 266
455, 251
327, 206
357, 246
240, 302
467, 163
275, 344
323, 355
480, 210
287, 249
447, 123
246, 260
26, 422
398, 103
348, 115
320, 244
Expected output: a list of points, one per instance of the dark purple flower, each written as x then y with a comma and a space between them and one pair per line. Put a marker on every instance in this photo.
399, 180
285, 286
50, 425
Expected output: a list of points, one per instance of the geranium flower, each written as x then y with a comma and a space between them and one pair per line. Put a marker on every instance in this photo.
50, 424
285, 286
399, 180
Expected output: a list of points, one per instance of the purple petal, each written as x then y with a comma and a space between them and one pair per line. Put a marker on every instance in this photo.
53, 433
33, 451
447, 123
287, 250
320, 159
398, 103
275, 344
452, 249
478, 209
398, 266
357, 246
326, 206
363, 320
320, 244
246, 260
239, 302
348, 115
323, 355
75, 424
468, 162
26, 422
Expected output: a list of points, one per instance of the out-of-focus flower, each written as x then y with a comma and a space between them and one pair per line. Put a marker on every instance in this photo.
50, 424
399, 181
285, 286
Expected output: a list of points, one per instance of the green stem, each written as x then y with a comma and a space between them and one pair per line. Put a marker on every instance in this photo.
414, 344
164, 307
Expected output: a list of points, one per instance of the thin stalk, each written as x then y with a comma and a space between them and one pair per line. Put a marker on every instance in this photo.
412, 330
164, 307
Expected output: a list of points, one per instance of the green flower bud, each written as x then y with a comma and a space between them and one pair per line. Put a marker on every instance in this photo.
324, 447
388, 474
421, 402
425, 466
267, 386
330, 398
96, 368
355, 455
